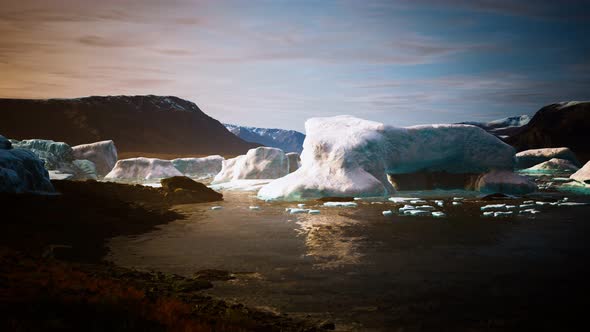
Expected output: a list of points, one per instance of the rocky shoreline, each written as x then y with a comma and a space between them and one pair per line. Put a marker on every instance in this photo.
52, 275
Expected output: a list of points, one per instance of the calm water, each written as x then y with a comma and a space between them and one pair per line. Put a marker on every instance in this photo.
354, 266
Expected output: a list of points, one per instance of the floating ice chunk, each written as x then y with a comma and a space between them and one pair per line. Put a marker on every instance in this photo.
254, 207
426, 207
510, 207
402, 199
438, 214
493, 207
419, 213
296, 211
503, 214
528, 202
406, 208
258, 163
216, 208
571, 204
418, 201
340, 204
526, 206
387, 213
314, 211
457, 203
530, 211
565, 199
300, 205
440, 203
458, 198
358, 198
542, 203
488, 214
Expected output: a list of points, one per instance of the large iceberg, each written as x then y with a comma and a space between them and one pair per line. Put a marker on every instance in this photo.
199, 168
530, 158
142, 170
21, 170
348, 156
58, 157
259, 163
103, 154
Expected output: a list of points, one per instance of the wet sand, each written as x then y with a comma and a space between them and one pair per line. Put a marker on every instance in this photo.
365, 271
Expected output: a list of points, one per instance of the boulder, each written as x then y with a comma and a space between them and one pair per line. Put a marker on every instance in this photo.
530, 158
103, 154
142, 170
199, 168
181, 189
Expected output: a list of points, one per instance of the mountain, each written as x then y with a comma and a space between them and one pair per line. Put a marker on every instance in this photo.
565, 124
286, 140
503, 127
139, 125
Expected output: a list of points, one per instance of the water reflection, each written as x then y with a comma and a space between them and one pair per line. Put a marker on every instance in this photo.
327, 241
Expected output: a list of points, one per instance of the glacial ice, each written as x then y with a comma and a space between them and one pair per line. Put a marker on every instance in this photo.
418, 213
241, 185
492, 207
259, 163
530, 158
387, 213
254, 207
142, 169
313, 211
103, 154
402, 199
505, 182
199, 168
440, 203
347, 156
216, 207
340, 204
294, 161
438, 214
296, 211
554, 165
457, 203
530, 211
503, 214
582, 175
21, 171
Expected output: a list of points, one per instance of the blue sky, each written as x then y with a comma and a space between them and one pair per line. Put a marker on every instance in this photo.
277, 63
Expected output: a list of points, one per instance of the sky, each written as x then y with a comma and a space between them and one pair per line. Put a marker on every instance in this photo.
274, 63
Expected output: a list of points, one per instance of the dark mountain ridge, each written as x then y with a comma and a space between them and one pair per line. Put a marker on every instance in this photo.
150, 124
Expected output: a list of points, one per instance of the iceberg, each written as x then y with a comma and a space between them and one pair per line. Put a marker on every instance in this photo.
530, 158
199, 168
387, 213
141, 170
259, 163
294, 161
340, 204
582, 175
313, 211
505, 182
418, 213
493, 207
348, 156
21, 171
103, 154
554, 165
438, 214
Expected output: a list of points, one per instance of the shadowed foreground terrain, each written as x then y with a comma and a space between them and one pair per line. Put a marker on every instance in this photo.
52, 276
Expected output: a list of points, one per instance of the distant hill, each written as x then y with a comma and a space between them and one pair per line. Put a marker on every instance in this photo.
138, 124
286, 140
502, 127
565, 124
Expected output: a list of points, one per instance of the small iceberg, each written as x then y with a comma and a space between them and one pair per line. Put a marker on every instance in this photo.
426, 207
406, 208
439, 202
216, 207
493, 207
387, 213
296, 211
418, 201
340, 204
254, 207
457, 203
402, 199
418, 213
314, 212
300, 205
530, 211
438, 214
503, 214
571, 204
